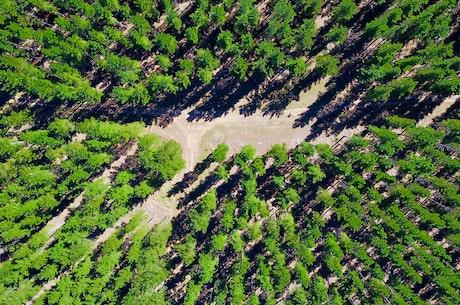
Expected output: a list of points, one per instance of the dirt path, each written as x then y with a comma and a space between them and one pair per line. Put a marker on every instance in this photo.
58, 221
198, 138
438, 111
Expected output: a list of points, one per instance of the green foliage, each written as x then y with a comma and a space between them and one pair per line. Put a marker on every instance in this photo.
398, 122
218, 15
327, 65
165, 160
161, 84
164, 62
125, 69
186, 250
220, 153
166, 42
315, 173
192, 35
305, 34
239, 68
344, 11
247, 153
297, 66
206, 59
279, 153
225, 40
204, 75
337, 34
271, 58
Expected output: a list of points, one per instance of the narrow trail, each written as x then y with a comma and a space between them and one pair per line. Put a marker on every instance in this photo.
58, 221
438, 111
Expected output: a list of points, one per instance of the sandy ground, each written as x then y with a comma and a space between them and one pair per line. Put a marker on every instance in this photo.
438, 111
198, 138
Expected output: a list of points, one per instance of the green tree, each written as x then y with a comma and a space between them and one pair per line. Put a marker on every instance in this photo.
305, 34
296, 66
327, 65
166, 42
316, 174
247, 153
344, 11
187, 250
220, 153
247, 41
219, 241
165, 160
379, 93
192, 35
182, 80
143, 190
205, 75
218, 15
337, 34
164, 62
208, 266
199, 18
237, 241
402, 87
225, 40
279, 153
240, 68
187, 65
206, 59
173, 19
193, 293
62, 128
161, 84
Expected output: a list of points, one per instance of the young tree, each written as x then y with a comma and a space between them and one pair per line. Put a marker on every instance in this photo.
186, 250
337, 34
204, 75
199, 18
225, 40
239, 69
206, 59
164, 62
166, 42
158, 84
192, 35
187, 65
344, 11
208, 266
247, 41
220, 153
305, 34
297, 66
327, 65
218, 15
316, 174
173, 20
279, 153
402, 87
165, 160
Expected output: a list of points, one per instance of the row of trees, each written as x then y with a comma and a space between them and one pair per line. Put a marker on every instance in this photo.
43, 171
323, 225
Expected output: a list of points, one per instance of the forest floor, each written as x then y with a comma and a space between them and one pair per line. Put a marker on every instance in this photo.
198, 138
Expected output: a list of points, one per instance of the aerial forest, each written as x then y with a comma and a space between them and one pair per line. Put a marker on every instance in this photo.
103, 201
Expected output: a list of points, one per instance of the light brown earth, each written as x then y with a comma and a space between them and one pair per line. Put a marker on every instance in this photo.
438, 111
